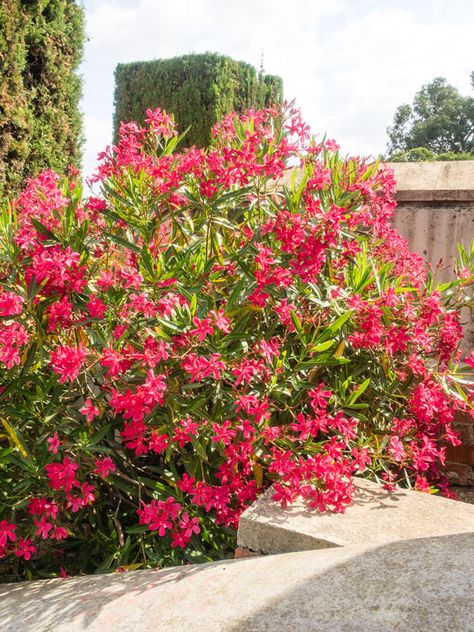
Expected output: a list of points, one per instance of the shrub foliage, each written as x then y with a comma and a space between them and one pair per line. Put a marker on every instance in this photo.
197, 89
41, 43
213, 322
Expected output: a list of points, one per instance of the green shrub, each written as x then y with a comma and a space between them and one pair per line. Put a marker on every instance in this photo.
41, 43
197, 89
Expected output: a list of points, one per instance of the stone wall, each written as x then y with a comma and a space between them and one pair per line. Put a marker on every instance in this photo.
436, 212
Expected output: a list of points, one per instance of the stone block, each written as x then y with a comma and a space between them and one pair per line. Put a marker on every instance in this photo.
425, 584
375, 517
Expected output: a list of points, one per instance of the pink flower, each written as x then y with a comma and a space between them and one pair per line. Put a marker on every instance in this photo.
185, 432
60, 314
58, 533
361, 459
68, 361
159, 515
12, 337
88, 496
43, 527
187, 526
269, 349
203, 328
153, 389
470, 360
103, 467
39, 506
96, 307
7, 532
201, 367
25, 548
54, 443
220, 321
158, 442
11, 304
247, 370
318, 397
89, 410
422, 484
396, 448
223, 432
62, 476
106, 279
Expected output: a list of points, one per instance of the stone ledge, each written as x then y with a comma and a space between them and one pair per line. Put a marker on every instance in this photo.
422, 196
423, 584
374, 518
450, 181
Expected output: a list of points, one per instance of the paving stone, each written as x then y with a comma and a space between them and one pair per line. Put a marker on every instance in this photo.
375, 517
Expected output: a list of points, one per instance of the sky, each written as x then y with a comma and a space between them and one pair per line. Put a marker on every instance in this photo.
347, 63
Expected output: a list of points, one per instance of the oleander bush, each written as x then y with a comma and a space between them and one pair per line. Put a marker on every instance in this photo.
213, 322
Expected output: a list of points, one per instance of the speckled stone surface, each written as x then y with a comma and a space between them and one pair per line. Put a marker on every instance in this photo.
425, 585
375, 517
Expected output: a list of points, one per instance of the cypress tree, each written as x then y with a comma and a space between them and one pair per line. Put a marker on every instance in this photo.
41, 45
197, 89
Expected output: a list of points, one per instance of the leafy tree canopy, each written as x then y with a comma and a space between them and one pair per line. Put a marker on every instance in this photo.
438, 125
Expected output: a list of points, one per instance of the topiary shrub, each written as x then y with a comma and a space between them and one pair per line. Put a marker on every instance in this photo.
197, 89
215, 322
41, 44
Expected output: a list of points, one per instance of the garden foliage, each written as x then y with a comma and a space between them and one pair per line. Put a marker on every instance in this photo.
213, 322
197, 89
41, 43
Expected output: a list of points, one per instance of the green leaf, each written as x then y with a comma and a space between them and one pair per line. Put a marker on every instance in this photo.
323, 346
333, 327
298, 326
359, 391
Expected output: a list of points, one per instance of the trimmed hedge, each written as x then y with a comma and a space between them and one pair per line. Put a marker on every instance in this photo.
41, 45
197, 89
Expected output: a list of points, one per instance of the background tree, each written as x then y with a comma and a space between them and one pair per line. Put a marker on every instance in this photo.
439, 125
41, 45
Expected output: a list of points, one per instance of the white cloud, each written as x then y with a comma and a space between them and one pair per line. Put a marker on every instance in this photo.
98, 133
349, 64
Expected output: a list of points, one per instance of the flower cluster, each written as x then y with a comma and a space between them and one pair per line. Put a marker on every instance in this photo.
211, 323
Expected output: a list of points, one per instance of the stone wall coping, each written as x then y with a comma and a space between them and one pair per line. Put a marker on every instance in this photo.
449, 181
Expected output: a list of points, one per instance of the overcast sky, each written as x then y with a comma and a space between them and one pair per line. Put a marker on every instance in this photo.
348, 63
